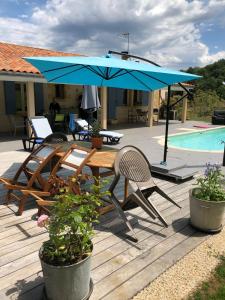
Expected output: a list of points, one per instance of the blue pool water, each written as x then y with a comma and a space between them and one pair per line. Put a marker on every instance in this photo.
209, 140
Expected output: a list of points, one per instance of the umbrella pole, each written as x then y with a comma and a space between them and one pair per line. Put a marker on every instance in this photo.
167, 127
223, 154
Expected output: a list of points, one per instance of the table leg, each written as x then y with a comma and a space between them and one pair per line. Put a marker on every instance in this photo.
126, 188
108, 207
95, 172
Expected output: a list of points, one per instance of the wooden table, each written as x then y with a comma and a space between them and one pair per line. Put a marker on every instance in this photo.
103, 158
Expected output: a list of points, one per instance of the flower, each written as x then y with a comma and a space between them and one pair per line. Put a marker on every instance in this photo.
42, 220
211, 187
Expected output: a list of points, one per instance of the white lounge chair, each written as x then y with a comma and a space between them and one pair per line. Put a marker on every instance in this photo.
112, 137
41, 132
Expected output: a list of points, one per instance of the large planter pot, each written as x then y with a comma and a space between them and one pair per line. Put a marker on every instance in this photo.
205, 215
71, 282
97, 142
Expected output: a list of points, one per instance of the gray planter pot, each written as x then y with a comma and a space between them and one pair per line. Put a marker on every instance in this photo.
67, 282
205, 215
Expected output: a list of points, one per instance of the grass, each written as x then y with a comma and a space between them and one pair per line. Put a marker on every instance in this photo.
214, 288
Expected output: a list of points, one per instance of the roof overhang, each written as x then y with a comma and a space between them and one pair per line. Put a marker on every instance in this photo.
23, 77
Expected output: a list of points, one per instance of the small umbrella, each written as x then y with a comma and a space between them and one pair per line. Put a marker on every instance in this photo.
90, 98
90, 101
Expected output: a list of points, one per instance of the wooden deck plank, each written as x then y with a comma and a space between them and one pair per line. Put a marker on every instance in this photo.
120, 267
136, 283
121, 275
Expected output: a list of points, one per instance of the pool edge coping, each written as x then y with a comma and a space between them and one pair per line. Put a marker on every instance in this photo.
161, 140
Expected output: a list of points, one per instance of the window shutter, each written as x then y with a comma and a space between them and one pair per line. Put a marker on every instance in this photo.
39, 98
10, 97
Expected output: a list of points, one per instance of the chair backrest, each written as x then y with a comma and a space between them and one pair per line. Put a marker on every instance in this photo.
56, 138
35, 164
16, 120
83, 124
132, 164
40, 126
74, 159
59, 118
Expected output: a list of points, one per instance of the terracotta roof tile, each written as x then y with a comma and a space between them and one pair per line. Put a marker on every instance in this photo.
11, 57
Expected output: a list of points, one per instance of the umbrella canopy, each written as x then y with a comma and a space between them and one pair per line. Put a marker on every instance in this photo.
107, 71
90, 98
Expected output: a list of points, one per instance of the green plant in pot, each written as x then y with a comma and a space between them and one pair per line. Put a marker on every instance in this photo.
65, 257
207, 200
96, 138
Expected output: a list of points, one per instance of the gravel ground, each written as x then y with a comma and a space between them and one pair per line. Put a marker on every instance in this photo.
181, 279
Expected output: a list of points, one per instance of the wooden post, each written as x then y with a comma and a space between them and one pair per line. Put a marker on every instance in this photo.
150, 108
30, 101
184, 110
104, 107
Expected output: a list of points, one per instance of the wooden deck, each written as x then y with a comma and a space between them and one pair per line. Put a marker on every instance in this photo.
120, 267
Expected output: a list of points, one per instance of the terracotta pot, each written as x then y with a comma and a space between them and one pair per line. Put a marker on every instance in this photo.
97, 142
206, 216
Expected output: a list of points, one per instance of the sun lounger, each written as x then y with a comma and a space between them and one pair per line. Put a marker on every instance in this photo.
112, 137
41, 130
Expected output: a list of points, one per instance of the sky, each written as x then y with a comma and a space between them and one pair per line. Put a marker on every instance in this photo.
173, 33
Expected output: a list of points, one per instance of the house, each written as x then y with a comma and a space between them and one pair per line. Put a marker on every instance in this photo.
23, 90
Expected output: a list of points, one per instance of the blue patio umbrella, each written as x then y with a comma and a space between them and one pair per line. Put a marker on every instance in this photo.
110, 72
107, 71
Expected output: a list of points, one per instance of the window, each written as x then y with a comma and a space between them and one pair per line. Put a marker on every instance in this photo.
21, 97
125, 97
137, 98
59, 91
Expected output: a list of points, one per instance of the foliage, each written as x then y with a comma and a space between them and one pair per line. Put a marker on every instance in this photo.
70, 225
95, 129
213, 78
214, 289
209, 92
211, 186
205, 102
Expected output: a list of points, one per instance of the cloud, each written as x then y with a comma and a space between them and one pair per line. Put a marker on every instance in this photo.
168, 32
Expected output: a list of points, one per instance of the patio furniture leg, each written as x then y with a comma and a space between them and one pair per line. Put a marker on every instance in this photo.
122, 215
21, 205
8, 196
159, 191
152, 208
139, 201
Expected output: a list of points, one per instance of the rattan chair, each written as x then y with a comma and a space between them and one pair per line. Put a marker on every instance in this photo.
131, 163
32, 168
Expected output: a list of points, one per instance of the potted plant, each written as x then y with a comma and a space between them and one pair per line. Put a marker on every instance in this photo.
207, 201
96, 138
65, 257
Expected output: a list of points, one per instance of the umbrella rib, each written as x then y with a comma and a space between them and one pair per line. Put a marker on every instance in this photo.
61, 68
152, 77
94, 71
100, 71
57, 77
129, 72
117, 74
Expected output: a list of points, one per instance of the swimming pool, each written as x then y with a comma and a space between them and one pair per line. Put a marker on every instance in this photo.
206, 140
